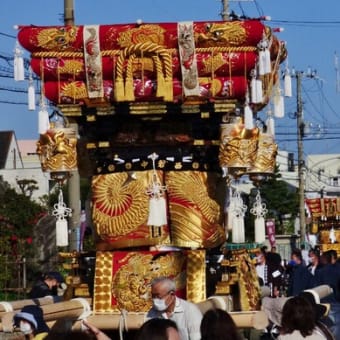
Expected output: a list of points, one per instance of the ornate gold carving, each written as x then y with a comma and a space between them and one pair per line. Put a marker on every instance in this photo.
75, 90
144, 33
57, 38
57, 150
265, 155
131, 283
196, 280
238, 146
220, 34
120, 205
195, 215
213, 63
71, 66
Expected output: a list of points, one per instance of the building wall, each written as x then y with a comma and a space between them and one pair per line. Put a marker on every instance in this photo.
323, 175
30, 168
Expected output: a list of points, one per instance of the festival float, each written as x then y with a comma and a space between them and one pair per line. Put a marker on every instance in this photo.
166, 116
324, 213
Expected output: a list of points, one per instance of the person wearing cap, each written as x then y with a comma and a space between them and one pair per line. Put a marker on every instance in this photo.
47, 286
31, 322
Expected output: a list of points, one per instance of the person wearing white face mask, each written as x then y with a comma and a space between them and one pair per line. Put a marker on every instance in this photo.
31, 322
167, 305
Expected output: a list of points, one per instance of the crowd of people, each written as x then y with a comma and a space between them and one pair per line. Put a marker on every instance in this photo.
301, 316
306, 270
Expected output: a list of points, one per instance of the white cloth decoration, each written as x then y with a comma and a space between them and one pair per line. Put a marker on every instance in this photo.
236, 213
31, 92
264, 62
43, 118
61, 211
256, 91
19, 69
157, 203
259, 210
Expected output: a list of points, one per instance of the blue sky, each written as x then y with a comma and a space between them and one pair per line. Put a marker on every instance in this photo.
311, 31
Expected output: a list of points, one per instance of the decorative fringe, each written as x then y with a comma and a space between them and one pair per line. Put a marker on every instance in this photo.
267, 62
19, 70
248, 118
60, 211
119, 90
256, 91
259, 210
43, 119
157, 212
287, 82
31, 96
260, 232
238, 234
264, 64
236, 213
161, 92
129, 90
168, 90
61, 233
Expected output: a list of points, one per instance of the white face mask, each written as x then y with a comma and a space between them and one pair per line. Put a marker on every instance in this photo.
159, 304
25, 327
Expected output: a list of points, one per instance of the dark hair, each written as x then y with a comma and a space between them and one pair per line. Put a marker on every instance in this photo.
298, 314
155, 329
297, 253
217, 324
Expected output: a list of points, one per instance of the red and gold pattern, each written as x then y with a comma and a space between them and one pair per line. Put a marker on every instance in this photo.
122, 279
142, 61
74, 92
328, 207
115, 37
194, 212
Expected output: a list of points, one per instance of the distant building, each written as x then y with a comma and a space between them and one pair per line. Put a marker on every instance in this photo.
322, 175
19, 160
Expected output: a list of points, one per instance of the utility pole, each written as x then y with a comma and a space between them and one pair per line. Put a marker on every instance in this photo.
74, 180
301, 162
225, 10
68, 12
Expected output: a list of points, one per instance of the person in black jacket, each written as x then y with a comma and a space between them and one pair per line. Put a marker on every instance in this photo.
47, 286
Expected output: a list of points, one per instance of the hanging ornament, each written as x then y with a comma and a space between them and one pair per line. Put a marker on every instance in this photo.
259, 210
278, 103
31, 92
264, 61
60, 211
256, 91
248, 118
43, 117
157, 203
236, 213
270, 123
287, 83
19, 69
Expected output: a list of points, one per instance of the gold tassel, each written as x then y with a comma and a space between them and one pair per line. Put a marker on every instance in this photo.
160, 78
129, 90
119, 90
168, 90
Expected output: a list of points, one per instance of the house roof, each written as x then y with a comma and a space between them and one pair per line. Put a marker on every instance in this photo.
5, 142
